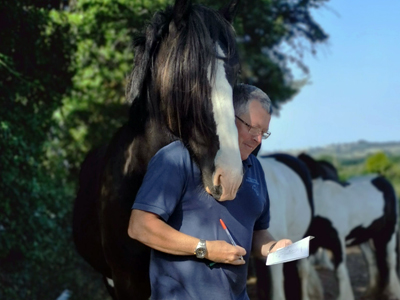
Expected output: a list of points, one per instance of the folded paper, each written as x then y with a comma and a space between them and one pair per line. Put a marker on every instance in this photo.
298, 250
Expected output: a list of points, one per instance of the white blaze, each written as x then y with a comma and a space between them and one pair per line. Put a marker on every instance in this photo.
110, 282
227, 161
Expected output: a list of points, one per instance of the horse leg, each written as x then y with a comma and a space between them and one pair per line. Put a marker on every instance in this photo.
277, 287
276, 280
269, 281
130, 262
131, 285
386, 258
373, 274
342, 274
321, 259
292, 281
311, 286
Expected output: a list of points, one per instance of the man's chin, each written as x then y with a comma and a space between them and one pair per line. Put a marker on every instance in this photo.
245, 156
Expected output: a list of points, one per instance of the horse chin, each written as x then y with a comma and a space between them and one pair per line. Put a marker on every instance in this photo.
217, 192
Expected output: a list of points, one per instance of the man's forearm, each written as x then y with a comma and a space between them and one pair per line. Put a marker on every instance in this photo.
150, 230
262, 242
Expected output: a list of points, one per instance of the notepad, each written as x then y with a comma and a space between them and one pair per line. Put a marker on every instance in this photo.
298, 250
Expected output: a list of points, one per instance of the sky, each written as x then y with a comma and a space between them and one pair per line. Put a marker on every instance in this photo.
354, 82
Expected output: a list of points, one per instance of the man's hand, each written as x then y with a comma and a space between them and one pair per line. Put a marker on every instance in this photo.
280, 244
223, 252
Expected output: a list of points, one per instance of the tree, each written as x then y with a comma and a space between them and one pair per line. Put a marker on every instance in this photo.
273, 36
35, 73
378, 163
96, 107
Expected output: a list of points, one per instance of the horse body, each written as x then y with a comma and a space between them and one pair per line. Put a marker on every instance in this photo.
291, 209
362, 212
180, 88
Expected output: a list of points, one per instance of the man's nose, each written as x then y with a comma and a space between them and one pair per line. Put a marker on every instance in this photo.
257, 138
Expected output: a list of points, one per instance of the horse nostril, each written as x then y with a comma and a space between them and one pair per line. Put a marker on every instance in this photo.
217, 192
218, 181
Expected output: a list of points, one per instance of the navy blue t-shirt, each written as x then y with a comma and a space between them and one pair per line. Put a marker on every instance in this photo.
173, 189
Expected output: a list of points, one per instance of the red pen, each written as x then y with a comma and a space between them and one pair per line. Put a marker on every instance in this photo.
229, 234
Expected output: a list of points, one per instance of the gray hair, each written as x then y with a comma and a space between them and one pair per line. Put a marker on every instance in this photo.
243, 94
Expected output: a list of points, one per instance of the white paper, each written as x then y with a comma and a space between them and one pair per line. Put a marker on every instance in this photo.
298, 250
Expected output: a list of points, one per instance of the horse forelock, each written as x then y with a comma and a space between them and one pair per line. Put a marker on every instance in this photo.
182, 69
145, 46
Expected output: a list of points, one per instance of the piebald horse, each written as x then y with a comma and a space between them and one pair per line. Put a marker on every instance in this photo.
361, 211
291, 209
185, 67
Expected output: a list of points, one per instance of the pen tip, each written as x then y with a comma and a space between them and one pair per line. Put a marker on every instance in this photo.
222, 224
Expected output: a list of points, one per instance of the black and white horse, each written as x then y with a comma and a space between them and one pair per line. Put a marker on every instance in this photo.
291, 209
362, 211
186, 64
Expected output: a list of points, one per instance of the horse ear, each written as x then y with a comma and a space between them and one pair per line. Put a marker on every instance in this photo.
181, 9
143, 50
229, 11
312, 165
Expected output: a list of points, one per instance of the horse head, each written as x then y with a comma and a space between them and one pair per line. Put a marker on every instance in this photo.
320, 168
186, 64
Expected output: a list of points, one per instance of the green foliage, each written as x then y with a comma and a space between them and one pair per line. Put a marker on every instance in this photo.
35, 73
378, 163
96, 107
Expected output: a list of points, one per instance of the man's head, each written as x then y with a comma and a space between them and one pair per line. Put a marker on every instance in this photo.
253, 114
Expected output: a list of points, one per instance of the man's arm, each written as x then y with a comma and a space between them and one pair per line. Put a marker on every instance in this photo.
264, 243
151, 230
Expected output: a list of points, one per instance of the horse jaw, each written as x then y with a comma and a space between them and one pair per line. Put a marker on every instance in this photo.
228, 164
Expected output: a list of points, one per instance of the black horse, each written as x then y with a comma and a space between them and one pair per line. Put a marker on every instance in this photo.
186, 64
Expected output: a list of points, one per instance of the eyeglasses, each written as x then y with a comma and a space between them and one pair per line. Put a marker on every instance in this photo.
254, 130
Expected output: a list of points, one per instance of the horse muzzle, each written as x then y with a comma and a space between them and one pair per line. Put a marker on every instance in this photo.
223, 190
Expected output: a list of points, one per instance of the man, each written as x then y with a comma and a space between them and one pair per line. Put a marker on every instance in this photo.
192, 256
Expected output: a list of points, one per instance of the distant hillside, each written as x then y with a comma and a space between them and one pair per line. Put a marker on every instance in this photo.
349, 158
351, 151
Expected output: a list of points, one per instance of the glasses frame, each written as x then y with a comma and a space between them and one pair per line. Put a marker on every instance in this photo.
254, 131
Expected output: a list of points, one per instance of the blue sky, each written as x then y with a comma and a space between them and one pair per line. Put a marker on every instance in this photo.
354, 85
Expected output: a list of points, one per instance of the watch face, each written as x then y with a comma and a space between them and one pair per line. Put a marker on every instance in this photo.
200, 252
201, 249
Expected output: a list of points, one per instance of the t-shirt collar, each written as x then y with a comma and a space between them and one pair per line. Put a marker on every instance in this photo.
247, 163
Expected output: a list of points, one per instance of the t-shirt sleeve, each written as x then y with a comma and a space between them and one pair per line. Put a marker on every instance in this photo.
164, 182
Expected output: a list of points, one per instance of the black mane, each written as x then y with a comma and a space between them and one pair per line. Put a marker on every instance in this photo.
171, 68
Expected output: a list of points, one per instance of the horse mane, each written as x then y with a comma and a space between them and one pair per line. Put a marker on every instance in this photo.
171, 68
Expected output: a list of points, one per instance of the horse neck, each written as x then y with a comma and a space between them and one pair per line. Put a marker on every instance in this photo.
148, 134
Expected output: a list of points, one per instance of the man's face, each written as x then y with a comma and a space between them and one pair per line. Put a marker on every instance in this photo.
257, 117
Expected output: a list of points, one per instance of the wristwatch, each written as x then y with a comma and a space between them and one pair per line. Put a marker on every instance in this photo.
201, 249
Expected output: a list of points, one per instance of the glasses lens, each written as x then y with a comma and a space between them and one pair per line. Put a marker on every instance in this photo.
255, 131
266, 135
